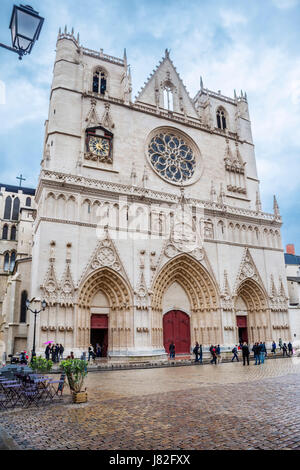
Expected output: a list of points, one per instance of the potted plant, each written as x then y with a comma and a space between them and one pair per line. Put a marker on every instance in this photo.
76, 371
40, 365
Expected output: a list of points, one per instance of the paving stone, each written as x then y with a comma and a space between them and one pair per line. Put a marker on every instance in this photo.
207, 407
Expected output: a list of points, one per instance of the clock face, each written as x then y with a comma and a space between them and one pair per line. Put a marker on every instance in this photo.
99, 146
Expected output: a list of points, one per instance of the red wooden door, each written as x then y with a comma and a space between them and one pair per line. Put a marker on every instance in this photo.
176, 326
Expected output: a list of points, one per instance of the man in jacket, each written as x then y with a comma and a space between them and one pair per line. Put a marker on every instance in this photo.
262, 352
235, 354
172, 350
256, 351
196, 351
245, 353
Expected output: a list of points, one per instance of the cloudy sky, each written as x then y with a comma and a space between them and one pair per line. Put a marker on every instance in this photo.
244, 44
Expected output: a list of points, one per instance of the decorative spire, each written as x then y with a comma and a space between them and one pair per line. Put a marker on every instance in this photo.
133, 174
258, 202
201, 83
212, 192
145, 177
222, 195
275, 207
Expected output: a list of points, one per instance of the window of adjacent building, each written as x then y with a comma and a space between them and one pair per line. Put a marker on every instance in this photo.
168, 98
99, 82
12, 261
4, 232
16, 209
28, 201
23, 309
221, 119
6, 262
7, 208
13, 233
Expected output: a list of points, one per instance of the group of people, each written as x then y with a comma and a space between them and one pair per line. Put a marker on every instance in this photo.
55, 351
259, 351
94, 352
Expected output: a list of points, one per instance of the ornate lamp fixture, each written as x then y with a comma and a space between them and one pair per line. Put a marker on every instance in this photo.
25, 25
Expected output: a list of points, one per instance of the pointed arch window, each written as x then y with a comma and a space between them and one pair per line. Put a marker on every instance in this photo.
7, 208
6, 262
221, 119
99, 82
16, 209
12, 261
23, 309
4, 232
168, 98
28, 202
13, 233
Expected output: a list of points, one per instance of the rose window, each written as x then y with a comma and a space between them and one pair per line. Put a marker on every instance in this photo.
171, 157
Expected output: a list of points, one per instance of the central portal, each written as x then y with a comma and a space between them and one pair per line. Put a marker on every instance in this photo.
176, 327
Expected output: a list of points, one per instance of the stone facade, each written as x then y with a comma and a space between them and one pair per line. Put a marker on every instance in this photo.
17, 209
150, 205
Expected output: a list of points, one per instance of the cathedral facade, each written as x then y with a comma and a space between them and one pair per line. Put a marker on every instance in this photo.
149, 227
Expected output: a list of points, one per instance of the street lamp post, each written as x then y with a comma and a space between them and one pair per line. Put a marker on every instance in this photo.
35, 312
25, 25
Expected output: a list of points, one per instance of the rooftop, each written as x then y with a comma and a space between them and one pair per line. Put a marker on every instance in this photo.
291, 259
15, 189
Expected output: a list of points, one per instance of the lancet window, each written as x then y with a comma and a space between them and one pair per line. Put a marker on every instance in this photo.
99, 82
168, 98
221, 119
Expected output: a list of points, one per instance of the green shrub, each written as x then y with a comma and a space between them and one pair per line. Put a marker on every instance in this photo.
39, 364
76, 371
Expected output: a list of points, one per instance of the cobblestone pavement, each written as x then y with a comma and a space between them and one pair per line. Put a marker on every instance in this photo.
227, 406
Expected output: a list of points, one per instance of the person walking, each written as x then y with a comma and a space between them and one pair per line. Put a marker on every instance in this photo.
256, 351
219, 355
61, 352
200, 353
284, 350
172, 350
57, 352
245, 353
91, 352
235, 354
196, 351
47, 352
280, 344
98, 350
214, 355
53, 353
290, 348
262, 352
273, 347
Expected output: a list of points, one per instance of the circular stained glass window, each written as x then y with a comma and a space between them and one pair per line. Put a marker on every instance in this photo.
172, 157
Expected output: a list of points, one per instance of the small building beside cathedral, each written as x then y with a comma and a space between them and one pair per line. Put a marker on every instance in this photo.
17, 211
149, 227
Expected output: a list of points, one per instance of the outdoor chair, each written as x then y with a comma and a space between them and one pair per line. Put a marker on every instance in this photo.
3, 401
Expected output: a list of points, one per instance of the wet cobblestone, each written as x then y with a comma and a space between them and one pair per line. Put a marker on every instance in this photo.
203, 407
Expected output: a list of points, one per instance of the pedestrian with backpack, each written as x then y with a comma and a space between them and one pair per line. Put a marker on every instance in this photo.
235, 354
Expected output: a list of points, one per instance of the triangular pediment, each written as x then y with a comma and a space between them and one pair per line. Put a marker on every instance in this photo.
104, 255
166, 75
247, 270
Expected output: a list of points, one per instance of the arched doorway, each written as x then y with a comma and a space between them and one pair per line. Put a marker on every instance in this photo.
176, 328
254, 322
201, 295
104, 312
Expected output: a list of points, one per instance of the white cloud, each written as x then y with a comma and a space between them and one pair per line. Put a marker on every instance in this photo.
285, 4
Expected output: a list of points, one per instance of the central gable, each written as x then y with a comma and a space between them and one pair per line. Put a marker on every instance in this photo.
165, 90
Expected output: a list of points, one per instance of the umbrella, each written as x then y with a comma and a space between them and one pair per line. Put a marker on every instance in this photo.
48, 342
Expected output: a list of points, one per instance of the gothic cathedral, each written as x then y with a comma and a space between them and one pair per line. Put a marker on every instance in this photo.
149, 226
